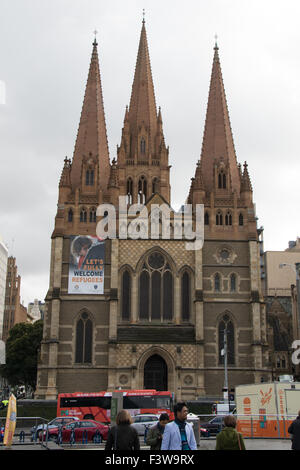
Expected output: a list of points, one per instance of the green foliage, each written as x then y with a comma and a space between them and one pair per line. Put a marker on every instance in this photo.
22, 347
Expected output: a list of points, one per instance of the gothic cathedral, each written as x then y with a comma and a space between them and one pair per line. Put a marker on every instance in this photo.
152, 314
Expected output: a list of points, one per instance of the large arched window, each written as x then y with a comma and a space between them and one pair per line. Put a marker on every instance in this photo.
84, 339
185, 296
126, 295
226, 324
156, 289
144, 295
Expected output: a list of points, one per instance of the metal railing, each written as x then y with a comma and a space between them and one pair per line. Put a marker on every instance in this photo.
35, 430
71, 440
252, 426
26, 432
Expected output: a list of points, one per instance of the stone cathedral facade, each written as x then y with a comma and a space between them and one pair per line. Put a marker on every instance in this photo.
159, 320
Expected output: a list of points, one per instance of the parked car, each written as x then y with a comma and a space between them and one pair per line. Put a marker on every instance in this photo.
212, 427
90, 426
142, 421
52, 424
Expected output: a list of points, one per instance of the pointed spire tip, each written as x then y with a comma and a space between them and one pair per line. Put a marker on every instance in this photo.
216, 42
95, 38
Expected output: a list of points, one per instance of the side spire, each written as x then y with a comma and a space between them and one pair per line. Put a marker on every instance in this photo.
218, 140
91, 135
246, 182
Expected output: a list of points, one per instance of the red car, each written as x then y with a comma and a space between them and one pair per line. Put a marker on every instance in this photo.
82, 429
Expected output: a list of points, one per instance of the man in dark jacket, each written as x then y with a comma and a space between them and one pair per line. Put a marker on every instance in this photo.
155, 433
294, 429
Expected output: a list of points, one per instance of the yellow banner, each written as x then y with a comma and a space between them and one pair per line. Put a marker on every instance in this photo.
11, 419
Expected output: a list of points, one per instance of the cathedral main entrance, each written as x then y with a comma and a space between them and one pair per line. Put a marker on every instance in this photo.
156, 373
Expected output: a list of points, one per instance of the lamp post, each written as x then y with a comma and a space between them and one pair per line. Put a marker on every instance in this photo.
224, 353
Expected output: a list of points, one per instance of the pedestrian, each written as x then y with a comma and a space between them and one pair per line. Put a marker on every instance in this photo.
229, 438
123, 436
294, 429
155, 433
179, 434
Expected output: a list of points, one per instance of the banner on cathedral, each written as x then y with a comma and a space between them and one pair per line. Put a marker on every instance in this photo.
86, 267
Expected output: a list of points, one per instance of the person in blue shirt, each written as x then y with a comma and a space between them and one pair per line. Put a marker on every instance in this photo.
179, 434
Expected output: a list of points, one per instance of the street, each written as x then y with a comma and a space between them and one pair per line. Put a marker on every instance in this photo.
205, 444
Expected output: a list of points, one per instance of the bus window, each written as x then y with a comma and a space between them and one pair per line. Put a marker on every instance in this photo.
149, 402
162, 402
80, 402
138, 402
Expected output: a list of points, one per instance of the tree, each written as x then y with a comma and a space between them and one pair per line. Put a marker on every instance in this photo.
22, 347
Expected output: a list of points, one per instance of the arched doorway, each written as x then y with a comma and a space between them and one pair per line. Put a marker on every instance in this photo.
156, 373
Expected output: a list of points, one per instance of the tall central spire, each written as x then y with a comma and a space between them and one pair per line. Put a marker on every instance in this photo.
143, 157
142, 109
218, 140
91, 136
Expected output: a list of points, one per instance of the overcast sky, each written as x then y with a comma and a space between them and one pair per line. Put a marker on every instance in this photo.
45, 53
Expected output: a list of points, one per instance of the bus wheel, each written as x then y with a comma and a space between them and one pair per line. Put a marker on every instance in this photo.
88, 417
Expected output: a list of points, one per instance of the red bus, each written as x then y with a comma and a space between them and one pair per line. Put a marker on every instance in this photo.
97, 405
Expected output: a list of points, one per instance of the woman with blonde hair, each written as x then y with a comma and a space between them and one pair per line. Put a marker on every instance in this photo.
123, 436
229, 438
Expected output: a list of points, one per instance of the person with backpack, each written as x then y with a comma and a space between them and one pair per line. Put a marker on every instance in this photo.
229, 438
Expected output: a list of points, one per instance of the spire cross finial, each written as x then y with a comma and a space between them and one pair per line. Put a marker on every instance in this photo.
216, 41
95, 40
143, 15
